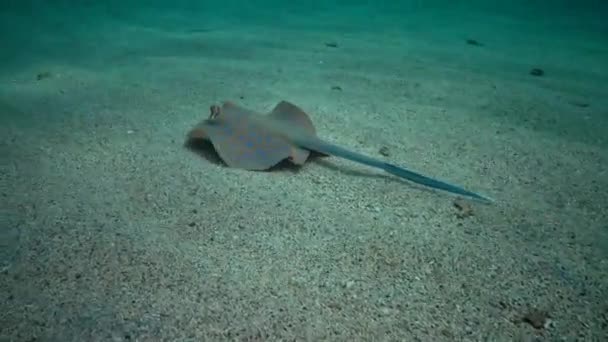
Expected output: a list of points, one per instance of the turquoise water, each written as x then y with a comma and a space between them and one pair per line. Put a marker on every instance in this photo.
113, 230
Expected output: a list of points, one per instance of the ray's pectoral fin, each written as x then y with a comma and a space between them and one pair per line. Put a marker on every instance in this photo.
298, 121
293, 115
198, 133
199, 142
241, 141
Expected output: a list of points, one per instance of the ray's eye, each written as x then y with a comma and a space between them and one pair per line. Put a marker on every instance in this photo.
214, 111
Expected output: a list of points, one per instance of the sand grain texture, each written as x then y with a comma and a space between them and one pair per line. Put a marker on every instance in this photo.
115, 231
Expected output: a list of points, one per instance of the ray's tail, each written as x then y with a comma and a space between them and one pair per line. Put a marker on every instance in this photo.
431, 182
324, 147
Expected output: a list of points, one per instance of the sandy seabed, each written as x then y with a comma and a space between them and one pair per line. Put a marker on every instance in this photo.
113, 230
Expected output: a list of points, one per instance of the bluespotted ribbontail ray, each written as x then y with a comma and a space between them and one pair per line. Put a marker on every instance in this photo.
246, 140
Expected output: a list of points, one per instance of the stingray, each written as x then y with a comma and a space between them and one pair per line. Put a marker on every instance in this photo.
244, 139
